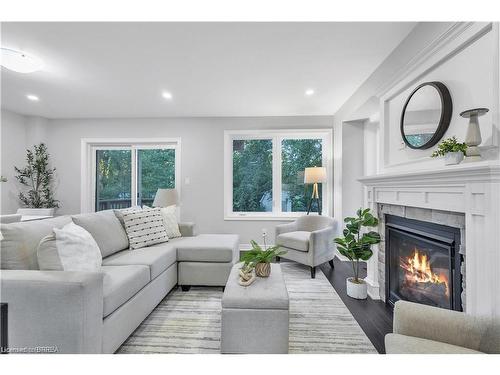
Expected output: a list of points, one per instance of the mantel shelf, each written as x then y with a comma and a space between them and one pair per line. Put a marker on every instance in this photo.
483, 171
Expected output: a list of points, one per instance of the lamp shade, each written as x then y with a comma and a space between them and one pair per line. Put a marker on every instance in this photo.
314, 175
165, 197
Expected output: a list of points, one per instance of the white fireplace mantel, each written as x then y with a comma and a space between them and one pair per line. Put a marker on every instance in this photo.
469, 188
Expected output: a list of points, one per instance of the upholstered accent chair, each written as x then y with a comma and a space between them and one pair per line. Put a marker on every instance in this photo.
308, 240
421, 329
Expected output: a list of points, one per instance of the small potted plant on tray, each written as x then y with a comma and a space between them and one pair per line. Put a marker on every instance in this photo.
356, 246
452, 150
261, 259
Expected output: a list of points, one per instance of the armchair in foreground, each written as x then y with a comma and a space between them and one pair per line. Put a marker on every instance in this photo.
421, 329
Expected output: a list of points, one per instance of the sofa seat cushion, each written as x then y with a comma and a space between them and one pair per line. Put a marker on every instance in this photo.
121, 283
215, 248
158, 258
298, 240
401, 344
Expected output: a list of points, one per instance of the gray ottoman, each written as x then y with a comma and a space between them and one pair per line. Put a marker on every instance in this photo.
255, 318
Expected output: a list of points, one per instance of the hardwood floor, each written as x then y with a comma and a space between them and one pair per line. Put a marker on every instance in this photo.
374, 317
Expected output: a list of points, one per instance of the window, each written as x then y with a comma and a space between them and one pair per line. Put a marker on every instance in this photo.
123, 173
264, 172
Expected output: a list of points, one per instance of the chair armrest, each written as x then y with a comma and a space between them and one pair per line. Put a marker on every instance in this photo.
57, 309
321, 244
187, 229
432, 323
285, 228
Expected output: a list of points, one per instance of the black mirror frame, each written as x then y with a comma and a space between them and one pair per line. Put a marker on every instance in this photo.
444, 121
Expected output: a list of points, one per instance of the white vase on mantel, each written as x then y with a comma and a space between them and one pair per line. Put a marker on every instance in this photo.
452, 158
356, 290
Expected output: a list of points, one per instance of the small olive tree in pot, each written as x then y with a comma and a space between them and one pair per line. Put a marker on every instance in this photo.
37, 176
356, 246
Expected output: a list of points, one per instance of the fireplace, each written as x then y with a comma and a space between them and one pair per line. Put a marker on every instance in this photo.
422, 263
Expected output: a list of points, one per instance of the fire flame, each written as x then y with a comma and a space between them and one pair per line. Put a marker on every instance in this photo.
419, 270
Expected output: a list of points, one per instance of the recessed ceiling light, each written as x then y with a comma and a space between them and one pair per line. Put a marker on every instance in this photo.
33, 98
19, 61
309, 92
167, 95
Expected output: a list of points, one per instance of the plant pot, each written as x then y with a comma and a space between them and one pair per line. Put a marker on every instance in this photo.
263, 269
452, 158
356, 290
36, 211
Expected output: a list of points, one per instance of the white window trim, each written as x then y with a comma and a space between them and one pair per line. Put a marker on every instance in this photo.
88, 163
277, 135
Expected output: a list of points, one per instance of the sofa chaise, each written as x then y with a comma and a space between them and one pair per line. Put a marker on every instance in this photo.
95, 312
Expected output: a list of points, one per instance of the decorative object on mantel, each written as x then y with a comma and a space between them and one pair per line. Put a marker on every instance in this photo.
3, 179
38, 177
473, 136
452, 150
426, 115
314, 175
260, 259
356, 246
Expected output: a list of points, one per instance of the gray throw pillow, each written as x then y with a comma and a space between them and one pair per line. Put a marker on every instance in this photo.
48, 257
144, 227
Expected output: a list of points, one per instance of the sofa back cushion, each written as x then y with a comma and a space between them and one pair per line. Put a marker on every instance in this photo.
106, 229
20, 241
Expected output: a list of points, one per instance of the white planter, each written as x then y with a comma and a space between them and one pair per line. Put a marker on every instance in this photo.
354, 290
36, 211
452, 158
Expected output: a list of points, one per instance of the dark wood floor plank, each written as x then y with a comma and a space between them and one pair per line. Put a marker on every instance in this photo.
374, 317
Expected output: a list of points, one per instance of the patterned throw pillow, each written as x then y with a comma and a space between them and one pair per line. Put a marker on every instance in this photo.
144, 227
170, 221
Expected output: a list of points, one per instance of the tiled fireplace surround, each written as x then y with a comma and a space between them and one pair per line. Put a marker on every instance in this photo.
466, 196
451, 219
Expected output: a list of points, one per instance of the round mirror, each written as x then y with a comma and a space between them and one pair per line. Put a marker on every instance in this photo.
426, 115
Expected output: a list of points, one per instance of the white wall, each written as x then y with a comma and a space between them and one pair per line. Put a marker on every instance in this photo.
13, 144
468, 67
202, 160
18, 133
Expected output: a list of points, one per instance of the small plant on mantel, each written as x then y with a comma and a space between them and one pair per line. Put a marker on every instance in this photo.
356, 246
38, 177
452, 150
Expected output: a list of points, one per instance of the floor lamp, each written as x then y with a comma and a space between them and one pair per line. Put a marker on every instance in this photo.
314, 175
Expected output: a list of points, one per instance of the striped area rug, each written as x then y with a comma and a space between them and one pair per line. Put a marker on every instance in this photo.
189, 322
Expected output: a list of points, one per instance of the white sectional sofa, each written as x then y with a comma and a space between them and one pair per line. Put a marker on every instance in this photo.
95, 312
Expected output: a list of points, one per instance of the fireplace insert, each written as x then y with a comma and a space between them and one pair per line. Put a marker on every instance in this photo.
422, 263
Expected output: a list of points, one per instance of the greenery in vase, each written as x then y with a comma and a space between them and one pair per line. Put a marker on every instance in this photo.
357, 246
258, 255
449, 145
37, 176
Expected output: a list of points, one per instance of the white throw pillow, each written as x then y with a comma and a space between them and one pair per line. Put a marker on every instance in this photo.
77, 249
169, 215
144, 227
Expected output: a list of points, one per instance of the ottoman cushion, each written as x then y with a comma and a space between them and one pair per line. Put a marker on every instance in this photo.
214, 248
264, 293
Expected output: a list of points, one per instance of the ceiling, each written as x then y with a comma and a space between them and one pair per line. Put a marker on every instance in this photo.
212, 69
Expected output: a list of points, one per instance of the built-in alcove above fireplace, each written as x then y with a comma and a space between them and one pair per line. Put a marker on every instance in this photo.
422, 263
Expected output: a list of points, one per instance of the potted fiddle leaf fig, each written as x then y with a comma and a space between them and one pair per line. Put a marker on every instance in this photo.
452, 151
261, 259
356, 246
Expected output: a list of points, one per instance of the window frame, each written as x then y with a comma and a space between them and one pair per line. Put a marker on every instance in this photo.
89, 146
277, 136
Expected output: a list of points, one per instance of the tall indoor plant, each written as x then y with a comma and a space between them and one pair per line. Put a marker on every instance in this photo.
356, 246
37, 176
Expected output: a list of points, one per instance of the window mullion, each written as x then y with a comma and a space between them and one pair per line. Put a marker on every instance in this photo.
133, 171
276, 175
